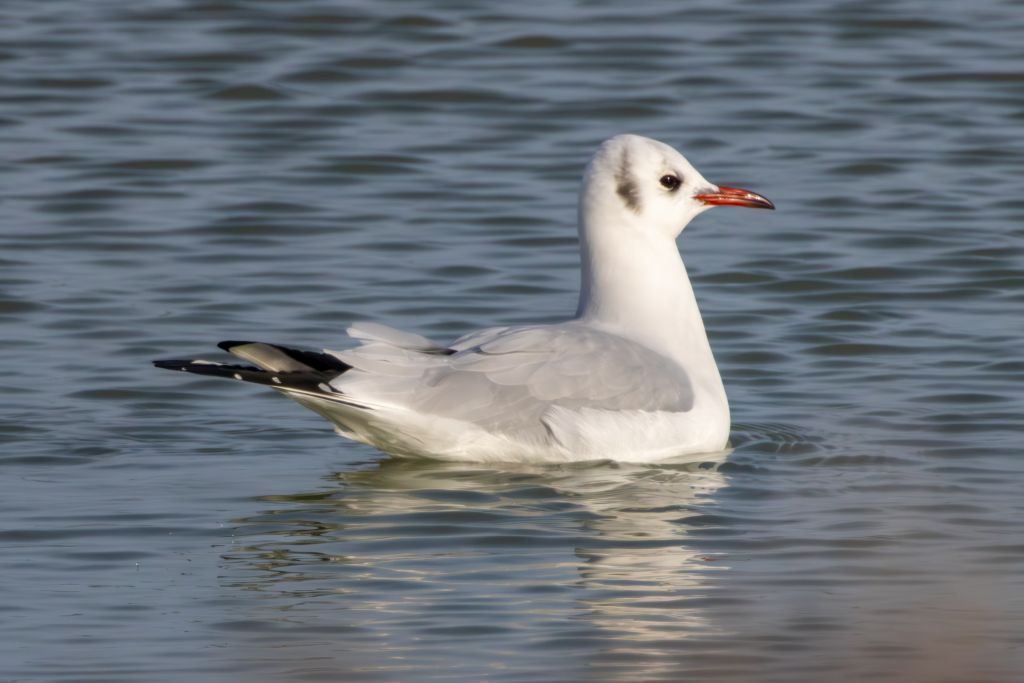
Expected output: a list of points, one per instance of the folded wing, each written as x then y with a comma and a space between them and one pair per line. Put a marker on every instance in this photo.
506, 380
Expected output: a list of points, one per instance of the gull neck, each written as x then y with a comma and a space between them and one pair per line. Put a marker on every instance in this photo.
634, 284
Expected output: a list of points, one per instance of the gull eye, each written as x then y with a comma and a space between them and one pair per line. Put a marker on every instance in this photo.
670, 182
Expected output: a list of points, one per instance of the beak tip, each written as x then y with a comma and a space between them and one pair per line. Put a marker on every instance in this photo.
736, 196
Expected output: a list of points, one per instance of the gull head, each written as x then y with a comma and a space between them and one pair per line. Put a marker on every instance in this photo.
638, 182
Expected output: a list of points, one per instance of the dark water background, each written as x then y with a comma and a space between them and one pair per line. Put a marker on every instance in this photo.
176, 173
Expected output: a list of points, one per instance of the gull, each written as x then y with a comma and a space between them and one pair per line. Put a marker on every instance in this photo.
631, 377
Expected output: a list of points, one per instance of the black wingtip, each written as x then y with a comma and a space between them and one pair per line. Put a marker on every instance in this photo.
172, 364
205, 367
314, 360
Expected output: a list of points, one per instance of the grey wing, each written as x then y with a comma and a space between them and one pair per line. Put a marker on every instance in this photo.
506, 379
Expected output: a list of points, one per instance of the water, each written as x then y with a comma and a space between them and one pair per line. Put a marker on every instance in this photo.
176, 173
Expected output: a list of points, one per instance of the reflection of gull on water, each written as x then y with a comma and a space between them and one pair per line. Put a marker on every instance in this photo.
409, 548
646, 582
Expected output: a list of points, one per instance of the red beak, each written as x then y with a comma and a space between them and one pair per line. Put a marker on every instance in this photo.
735, 196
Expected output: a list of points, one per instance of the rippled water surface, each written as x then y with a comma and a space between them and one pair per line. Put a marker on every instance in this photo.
176, 173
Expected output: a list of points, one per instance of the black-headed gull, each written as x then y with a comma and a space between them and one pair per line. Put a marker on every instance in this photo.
631, 377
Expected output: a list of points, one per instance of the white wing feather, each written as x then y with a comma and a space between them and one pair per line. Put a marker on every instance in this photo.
367, 332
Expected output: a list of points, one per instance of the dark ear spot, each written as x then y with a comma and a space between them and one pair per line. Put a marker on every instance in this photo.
626, 187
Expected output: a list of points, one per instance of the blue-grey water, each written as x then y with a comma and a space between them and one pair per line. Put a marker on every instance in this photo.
178, 172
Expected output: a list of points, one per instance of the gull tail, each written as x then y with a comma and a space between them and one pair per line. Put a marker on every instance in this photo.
296, 372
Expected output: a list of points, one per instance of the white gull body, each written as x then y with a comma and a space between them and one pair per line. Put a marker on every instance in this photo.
631, 377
